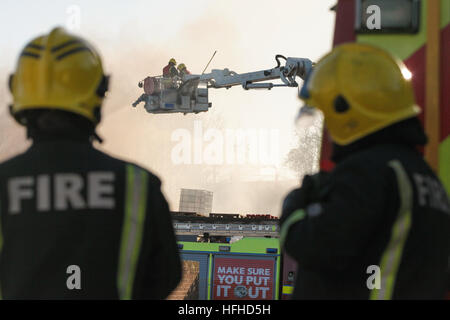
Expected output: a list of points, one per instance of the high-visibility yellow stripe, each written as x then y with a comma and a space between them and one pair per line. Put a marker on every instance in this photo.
391, 258
288, 290
292, 219
444, 163
132, 229
445, 13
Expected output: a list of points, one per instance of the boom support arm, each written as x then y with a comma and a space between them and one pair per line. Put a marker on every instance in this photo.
225, 78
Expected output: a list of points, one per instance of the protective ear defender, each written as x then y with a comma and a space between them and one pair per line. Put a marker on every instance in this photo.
340, 104
10, 82
101, 91
10, 107
103, 86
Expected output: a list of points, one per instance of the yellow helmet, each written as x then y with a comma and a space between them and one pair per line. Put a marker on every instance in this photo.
181, 66
172, 61
58, 71
360, 89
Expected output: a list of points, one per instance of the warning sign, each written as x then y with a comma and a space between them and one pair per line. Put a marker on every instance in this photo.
245, 279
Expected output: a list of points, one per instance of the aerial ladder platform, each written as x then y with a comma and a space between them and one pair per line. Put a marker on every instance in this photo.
189, 94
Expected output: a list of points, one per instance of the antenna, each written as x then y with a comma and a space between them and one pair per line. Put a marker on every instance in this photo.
209, 61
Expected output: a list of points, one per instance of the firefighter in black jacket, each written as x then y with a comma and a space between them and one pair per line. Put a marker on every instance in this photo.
377, 226
75, 222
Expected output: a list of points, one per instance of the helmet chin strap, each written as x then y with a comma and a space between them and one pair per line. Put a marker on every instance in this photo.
97, 138
103, 86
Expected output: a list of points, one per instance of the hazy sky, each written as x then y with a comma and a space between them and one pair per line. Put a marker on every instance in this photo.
265, 24
137, 38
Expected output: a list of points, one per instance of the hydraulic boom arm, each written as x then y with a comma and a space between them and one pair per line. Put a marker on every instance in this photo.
225, 78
